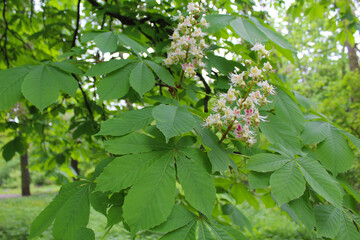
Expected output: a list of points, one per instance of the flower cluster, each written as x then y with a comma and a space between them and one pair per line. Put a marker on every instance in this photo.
237, 110
187, 41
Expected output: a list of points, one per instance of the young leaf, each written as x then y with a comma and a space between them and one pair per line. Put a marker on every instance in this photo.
127, 122
178, 218
334, 152
123, 171
141, 79
266, 162
116, 84
287, 183
162, 73
72, 215
151, 198
172, 120
320, 180
10, 82
327, 220
197, 184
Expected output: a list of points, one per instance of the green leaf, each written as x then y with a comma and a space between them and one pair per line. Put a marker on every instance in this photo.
66, 82
303, 101
218, 22
125, 40
241, 194
348, 188
352, 138
327, 220
127, 122
18, 145
10, 82
103, 68
67, 67
151, 198
237, 217
272, 35
303, 211
197, 184
347, 230
204, 233
287, 183
47, 216
72, 215
84, 233
40, 88
266, 162
116, 84
134, 143
288, 110
278, 131
334, 152
222, 64
259, 180
185, 233
99, 201
114, 215
123, 171
223, 232
218, 157
172, 120
320, 180
178, 218
106, 41
162, 73
141, 79
314, 132
247, 31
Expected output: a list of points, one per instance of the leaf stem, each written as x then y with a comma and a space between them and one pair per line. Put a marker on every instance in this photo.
106, 233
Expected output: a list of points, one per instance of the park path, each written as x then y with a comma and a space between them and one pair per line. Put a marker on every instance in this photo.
2, 196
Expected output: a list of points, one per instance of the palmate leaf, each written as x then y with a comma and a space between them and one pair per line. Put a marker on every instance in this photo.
116, 84
178, 218
218, 157
303, 211
66, 67
42, 84
204, 233
327, 220
162, 73
248, 31
172, 120
315, 132
237, 217
347, 229
123, 171
10, 82
72, 215
187, 232
103, 68
197, 184
266, 162
106, 41
287, 109
151, 198
334, 152
218, 22
127, 122
47, 216
141, 78
287, 183
319, 179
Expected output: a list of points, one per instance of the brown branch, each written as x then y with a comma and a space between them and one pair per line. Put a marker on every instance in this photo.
87, 104
5, 36
207, 90
76, 31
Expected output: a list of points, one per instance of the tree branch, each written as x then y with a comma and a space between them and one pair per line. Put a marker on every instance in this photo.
207, 90
5, 36
76, 31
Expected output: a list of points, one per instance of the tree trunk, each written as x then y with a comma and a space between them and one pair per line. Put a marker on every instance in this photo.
25, 175
353, 58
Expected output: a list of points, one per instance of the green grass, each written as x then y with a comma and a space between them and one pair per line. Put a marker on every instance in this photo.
16, 215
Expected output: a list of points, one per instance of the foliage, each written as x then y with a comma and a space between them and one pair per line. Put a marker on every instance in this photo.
164, 171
